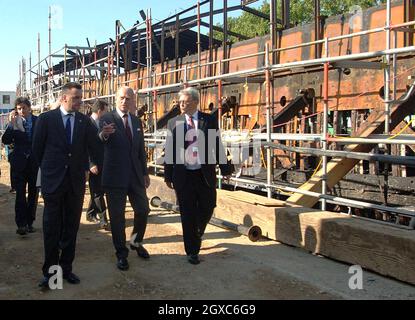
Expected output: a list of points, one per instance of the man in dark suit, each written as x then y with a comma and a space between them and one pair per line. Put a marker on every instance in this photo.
193, 149
19, 132
125, 174
97, 209
61, 142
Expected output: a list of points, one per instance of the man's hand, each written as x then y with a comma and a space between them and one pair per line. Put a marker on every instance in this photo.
169, 184
94, 170
13, 117
227, 178
147, 181
108, 129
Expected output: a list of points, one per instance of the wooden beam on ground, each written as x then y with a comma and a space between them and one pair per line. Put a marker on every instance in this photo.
338, 168
384, 249
379, 247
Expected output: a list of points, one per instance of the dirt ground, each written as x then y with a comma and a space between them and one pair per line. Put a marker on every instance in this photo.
232, 267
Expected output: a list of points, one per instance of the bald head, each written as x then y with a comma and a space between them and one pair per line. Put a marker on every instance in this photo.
125, 99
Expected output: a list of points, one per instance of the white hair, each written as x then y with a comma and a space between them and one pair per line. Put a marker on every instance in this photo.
192, 92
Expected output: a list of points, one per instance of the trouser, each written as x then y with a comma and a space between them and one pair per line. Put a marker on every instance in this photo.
96, 205
197, 201
116, 201
61, 219
25, 206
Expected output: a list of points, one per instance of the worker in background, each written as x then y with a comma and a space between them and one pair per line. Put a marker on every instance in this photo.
19, 132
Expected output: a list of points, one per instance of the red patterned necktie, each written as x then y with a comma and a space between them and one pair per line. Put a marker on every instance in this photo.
191, 126
127, 128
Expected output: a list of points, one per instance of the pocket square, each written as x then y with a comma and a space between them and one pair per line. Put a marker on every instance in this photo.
138, 129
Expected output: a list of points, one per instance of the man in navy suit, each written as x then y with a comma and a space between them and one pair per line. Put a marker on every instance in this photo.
193, 149
97, 208
125, 174
19, 132
61, 142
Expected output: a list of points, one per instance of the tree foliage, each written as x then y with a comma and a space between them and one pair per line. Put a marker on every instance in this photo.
301, 11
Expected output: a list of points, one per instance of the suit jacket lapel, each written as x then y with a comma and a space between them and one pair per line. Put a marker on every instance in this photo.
201, 121
94, 123
34, 118
77, 124
119, 122
181, 124
134, 123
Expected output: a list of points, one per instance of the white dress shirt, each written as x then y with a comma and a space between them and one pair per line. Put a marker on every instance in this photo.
129, 120
65, 117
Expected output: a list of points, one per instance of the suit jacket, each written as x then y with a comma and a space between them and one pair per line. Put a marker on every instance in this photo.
56, 157
122, 159
99, 160
22, 151
213, 153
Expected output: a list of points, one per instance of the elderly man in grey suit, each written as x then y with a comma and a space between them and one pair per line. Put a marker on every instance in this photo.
125, 174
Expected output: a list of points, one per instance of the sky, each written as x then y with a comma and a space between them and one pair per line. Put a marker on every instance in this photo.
73, 21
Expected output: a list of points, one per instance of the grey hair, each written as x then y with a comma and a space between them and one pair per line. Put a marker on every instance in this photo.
128, 89
192, 92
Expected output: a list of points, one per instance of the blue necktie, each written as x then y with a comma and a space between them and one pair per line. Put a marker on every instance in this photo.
26, 127
68, 129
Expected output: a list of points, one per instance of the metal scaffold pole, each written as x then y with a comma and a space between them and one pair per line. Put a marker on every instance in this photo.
117, 46
387, 95
324, 133
268, 115
149, 68
39, 75
199, 53
50, 67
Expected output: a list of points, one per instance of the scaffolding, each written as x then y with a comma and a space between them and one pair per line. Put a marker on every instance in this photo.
100, 75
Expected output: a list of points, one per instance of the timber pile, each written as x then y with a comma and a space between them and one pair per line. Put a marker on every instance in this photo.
381, 248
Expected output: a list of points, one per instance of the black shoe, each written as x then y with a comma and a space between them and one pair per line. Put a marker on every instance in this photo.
72, 278
22, 231
141, 251
12, 190
44, 283
30, 229
122, 264
193, 258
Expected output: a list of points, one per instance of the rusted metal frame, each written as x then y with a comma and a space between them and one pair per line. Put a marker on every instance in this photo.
180, 13
285, 13
317, 32
202, 15
409, 15
231, 33
290, 65
162, 51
